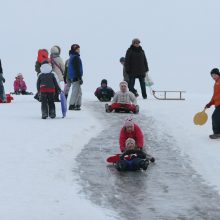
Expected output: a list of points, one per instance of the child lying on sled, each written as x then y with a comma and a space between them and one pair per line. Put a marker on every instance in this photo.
136, 158
123, 99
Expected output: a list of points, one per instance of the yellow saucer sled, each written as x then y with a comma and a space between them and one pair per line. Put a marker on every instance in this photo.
200, 118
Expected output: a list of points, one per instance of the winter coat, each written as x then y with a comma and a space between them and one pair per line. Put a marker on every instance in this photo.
19, 85
216, 95
136, 134
124, 98
57, 62
104, 91
136, 62
75, 68
46, 81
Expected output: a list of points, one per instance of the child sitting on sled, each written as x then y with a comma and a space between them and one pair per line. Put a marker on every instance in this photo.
133, 158
123, 99
20, 85
104, 93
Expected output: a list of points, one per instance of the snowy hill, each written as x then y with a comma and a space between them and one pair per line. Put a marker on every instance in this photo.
43, 167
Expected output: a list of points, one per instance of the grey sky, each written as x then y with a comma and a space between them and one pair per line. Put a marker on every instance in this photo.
180, 38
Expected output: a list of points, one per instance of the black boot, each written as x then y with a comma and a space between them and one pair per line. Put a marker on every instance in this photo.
72, 107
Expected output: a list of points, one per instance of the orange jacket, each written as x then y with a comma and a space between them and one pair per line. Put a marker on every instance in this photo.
216, 96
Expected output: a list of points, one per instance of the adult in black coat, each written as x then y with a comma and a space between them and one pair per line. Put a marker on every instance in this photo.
136, 66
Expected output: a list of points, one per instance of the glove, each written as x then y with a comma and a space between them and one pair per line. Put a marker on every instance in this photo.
80, 81
208, 105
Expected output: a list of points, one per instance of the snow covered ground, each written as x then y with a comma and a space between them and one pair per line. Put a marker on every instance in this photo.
37, 156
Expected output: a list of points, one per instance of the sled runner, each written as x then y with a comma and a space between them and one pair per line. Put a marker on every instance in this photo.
63, 104
168, 95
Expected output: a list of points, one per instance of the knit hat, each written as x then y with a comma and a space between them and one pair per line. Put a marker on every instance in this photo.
104, 81
123, 83
74, 47
215, 71
129, 141
19, 75
136, 40
55, 50
129, 122
122, 59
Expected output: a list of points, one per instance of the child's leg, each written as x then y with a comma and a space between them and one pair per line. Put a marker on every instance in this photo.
130, 107
51, 105
44, 104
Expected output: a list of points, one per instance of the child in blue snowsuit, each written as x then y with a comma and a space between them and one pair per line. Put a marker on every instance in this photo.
2, 90
136, 159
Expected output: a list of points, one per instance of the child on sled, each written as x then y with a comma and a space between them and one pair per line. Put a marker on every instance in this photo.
104, 93
123, 99
133, 158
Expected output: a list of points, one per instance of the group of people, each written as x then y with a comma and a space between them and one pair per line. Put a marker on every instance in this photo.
51, 71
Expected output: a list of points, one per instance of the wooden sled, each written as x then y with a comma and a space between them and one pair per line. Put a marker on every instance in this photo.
168, 95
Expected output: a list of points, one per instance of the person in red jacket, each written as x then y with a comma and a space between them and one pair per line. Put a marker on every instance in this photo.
215, 74
131, 130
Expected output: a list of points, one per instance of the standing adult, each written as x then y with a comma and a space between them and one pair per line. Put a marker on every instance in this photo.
136, 66
215, 74
57, 62
125, 74
75, 73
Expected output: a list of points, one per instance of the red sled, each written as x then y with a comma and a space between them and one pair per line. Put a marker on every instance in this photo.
8, 98
115, 158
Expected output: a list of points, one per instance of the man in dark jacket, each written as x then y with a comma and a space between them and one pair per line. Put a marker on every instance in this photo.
136, 66
47, 85
75, 73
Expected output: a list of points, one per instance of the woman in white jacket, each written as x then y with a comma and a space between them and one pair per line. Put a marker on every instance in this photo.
57, 63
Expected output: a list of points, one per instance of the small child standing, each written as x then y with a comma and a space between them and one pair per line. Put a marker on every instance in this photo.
20, 85
47, 85
2, 90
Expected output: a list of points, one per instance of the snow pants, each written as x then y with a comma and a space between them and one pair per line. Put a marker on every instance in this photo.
76, 96
216, 120
129, 107
47, 104
129, 165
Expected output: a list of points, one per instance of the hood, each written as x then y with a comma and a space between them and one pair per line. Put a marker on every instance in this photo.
55, 50
46, 68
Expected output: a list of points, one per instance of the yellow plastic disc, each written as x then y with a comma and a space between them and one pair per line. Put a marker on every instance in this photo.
200, 118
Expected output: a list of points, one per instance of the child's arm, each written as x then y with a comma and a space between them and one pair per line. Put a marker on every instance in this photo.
132, 98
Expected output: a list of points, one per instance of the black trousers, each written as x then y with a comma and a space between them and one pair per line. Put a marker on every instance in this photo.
216, 120
47, 104
142, 85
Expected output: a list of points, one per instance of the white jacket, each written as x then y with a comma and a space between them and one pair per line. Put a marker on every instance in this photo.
124, 98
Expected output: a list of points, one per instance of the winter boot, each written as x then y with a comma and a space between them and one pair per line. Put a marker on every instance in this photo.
144, 164
107, 108
77, 107
72, 107
121, 165
136, 109
214, 136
